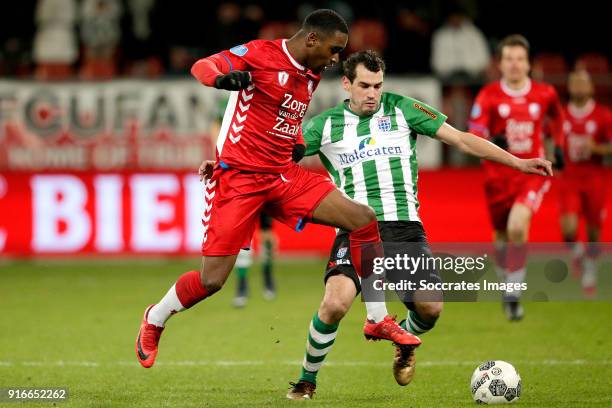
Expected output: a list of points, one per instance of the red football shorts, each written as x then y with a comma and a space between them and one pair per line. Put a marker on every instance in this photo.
583, 195
234, 200
503, 192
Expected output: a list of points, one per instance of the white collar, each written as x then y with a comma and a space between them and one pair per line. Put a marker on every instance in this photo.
516, 92
580, 113
293, 61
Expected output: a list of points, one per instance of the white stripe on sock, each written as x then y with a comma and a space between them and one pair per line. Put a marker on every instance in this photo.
320, 337
412, 326
314, 367
161, 312
316, 352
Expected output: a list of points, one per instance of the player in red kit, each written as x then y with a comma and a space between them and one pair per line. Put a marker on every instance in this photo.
582, 184
511, 112
260, 141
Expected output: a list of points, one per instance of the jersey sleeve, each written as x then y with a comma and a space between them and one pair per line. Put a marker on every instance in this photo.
313, 133
480, 117
206, 70
242, 57
607, 131
421, 117
556, 116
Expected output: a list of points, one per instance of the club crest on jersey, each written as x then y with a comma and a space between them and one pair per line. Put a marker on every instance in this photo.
384, 123
504, 110
283, 77
239, 50
342, 252
590, 127
534, 110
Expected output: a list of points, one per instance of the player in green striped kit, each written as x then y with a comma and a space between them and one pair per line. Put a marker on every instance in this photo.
368, 145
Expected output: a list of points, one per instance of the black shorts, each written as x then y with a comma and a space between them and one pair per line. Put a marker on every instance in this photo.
390, 231
265, 221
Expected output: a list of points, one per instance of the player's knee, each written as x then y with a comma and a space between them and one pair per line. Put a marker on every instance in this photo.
430, 311
211, 283
364, 215
334, 309
517, 233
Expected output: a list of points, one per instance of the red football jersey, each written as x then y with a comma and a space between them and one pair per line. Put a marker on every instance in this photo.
519, 115
263, 122
591, 122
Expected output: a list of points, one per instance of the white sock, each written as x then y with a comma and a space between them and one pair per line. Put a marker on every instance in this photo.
501, 273
376, 311
589, 272
577, 250
514, 277
166, 307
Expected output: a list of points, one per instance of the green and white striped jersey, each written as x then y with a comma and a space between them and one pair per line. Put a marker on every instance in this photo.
373, 158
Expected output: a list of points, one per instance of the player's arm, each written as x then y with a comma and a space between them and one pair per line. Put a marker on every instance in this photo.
224, 70
479, 147
556, 116
601, 149
480, 121
312, 134
604, 148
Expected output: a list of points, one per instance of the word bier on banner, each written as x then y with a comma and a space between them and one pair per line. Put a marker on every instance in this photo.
101, 213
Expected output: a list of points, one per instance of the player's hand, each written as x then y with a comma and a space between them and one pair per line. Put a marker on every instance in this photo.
206, 169
539, 166
234, 81
298, 152
500, 141
559, 162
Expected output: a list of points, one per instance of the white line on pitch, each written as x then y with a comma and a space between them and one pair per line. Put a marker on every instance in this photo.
223, 363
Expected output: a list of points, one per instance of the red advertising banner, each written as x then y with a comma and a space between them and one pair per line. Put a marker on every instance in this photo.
127, 213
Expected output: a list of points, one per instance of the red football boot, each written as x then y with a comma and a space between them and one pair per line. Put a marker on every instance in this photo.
147, 341
388, 329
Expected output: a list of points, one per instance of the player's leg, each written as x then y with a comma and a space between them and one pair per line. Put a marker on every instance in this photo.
190, 288
594, 213
340, 291
337, 210
499, 199
268, 243
304, 196
592, 252
516, 258
569, 205
243, 263
527, 202
422, 317
228, 226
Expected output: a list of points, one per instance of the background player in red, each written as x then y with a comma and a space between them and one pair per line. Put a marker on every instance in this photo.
260, 140
582, 184
511, 112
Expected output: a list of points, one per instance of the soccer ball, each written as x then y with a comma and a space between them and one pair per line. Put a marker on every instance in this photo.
495, 382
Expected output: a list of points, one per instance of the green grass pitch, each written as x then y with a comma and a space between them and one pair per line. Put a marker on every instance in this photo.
74, 324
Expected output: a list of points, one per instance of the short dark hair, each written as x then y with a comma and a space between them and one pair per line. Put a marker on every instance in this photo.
513, 40
325, 20
370, 60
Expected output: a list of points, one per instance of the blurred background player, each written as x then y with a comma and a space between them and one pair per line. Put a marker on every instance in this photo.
511, 113
582, 184
245, 261
384, 127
